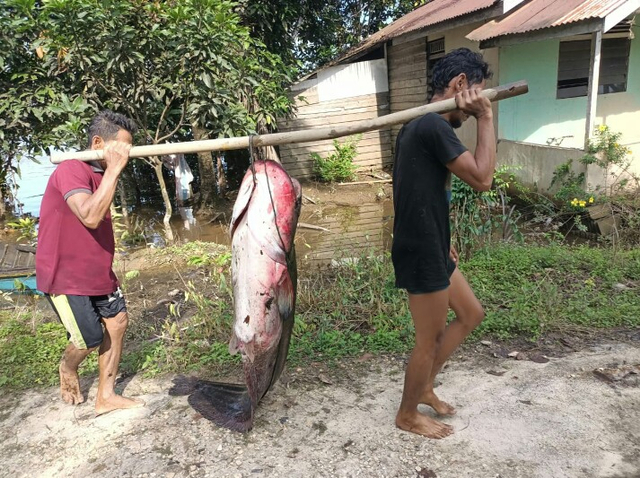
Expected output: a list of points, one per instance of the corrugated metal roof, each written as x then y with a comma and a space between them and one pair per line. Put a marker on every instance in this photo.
434, 12
539, 14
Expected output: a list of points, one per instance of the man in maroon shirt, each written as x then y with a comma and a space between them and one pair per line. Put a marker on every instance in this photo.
75, 255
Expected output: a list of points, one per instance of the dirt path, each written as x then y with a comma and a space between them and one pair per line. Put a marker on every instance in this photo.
554, 419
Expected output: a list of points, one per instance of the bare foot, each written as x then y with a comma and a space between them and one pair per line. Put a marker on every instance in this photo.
441, 408
116, 402
423, 425
70, 385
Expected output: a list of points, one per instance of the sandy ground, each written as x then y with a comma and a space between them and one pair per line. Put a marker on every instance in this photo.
524, 419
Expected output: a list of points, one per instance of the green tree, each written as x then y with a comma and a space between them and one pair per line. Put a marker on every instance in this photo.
313, 32
179, 68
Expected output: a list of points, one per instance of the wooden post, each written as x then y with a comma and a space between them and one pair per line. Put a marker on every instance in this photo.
302, 136
594, 77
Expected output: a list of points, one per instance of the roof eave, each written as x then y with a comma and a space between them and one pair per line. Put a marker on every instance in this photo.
460, 21
604, 24
549, 33
476, 16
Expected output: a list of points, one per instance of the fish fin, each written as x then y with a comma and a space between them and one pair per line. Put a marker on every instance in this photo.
270, 243
225, 404
242, 201
183, 385
233, 344
248, 350
286, 308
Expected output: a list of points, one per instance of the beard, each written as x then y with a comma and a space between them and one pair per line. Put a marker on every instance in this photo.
456, 123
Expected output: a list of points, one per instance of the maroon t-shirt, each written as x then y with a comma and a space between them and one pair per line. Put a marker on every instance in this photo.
71, 258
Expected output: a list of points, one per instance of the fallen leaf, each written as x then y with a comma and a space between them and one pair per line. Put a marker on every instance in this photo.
486, 342
496, 373
324, 379
616, 374
526, 402
538, 358
365, 357
513, 354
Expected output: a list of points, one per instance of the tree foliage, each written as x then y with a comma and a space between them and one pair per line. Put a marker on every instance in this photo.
314, 32
171, 66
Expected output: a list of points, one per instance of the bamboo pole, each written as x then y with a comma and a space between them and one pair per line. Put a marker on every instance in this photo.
302, 136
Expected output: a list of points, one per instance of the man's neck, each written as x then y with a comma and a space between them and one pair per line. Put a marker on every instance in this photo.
441, 97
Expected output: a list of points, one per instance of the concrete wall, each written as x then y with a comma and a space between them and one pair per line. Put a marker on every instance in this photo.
540, 118
534, 165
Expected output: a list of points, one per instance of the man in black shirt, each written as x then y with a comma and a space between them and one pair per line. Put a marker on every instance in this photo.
427, 152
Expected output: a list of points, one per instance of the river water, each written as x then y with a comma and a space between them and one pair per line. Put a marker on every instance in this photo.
32, 183
349, 228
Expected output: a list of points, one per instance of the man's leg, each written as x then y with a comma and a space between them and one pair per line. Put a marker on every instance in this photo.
75, 313
108, 361
429, 314
469, 314
69, 382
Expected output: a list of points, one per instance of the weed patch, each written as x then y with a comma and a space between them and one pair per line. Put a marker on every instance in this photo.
352, 309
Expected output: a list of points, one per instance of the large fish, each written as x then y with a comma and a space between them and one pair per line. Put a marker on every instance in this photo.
263, 269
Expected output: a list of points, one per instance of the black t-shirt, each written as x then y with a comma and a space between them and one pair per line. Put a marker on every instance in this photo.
421, 195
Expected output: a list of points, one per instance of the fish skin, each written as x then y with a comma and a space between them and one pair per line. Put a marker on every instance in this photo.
264, 276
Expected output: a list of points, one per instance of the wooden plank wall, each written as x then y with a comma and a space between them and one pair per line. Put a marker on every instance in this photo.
374, 148
353, 231
407, 63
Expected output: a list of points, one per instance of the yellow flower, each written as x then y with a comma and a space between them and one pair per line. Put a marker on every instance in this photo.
574, 202
591, 200
583, 203
602, 128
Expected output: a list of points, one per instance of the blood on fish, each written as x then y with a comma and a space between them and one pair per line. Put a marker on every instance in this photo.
263, 341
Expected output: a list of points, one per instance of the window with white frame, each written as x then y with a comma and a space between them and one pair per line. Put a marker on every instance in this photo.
575, 59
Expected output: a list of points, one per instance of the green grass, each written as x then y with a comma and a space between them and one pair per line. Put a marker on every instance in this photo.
355, 309
27, 356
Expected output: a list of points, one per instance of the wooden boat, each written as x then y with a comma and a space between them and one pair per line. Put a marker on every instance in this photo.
17, 268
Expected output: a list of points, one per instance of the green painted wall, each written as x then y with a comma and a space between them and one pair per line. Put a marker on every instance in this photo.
539, 117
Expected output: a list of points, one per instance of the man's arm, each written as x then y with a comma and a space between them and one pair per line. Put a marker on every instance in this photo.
91, 209
477, 170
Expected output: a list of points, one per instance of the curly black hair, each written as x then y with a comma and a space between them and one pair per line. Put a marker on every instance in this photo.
461, 60
107, 123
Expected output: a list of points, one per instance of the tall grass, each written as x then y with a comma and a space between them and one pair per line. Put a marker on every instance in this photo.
354, 308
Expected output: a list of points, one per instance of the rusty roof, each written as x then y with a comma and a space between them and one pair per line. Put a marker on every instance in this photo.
432, 13
540, 14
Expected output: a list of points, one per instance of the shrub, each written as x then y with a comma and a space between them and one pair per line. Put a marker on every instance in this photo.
337, 166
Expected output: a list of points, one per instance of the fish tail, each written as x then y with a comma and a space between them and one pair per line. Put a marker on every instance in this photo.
183, 385
227, 405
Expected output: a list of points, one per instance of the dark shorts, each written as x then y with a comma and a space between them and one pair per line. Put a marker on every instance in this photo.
421, 273
81, 315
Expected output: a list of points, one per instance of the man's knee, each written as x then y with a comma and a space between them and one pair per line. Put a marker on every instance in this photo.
474, 316
118, 323
428, 345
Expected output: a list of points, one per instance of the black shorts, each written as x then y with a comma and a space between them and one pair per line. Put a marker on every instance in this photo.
81, 315
420, 271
